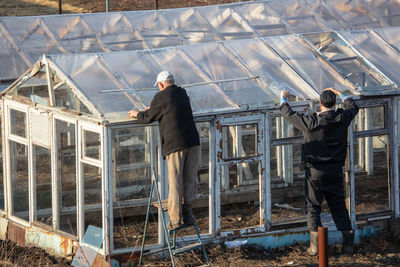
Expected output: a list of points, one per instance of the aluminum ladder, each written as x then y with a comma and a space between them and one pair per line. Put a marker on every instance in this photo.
172, 246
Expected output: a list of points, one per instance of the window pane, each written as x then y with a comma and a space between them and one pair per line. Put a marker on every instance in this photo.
66, 168
132, 153
92, 144
64, 97
18, 122
240, 182
35, 89
1, 168
92, 195
239, 141
19, 180
369, 119
287, 184
371, 174
281, 128
42, 165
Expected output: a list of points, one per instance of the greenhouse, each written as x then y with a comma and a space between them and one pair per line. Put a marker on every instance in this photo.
73, 157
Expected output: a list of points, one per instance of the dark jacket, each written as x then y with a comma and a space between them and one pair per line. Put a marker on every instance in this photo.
325, 134
171, 107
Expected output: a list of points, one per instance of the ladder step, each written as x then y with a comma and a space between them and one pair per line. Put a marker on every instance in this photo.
186, 248
155, 251
164, 204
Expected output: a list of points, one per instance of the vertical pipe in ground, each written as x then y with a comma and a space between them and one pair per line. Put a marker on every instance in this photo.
323, 246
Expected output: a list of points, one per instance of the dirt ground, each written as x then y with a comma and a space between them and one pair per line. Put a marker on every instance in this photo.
48, 7
383, 251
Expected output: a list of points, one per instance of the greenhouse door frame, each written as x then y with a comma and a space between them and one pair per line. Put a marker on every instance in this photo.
8, 136
234, 120
390, 123
100, 163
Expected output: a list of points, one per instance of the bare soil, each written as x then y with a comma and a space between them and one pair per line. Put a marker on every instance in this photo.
49, 7
382, 251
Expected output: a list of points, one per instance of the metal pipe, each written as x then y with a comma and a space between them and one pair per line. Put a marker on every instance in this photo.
107, 5
323, 246
59, 7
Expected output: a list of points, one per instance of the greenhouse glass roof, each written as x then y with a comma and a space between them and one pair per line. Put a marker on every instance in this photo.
221, 76
24, 39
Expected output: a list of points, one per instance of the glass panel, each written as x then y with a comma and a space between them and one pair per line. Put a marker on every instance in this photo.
318, 74
369, 119
18, 122
19, 180
92, 195
92, 148
281, 128
371, 174
34, 88
42, 165
377, 51
64, 97
342, 56
1, 166
66, 175
240, 195
240, 141
132, 171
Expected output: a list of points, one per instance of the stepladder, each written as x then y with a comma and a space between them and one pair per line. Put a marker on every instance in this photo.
170, 234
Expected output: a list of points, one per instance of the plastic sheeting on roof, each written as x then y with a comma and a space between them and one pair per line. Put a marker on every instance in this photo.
217, 75
24, 39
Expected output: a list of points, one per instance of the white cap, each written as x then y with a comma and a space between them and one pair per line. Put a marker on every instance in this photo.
164, 76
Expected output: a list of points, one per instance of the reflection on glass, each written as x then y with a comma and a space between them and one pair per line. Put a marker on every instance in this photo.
66, 167
281, 128
132, 154
371, 174
369, 119
19, 180
64, 97
92, 195
240, 141
34, 88
42, 164
18, 122
1, 169
92, 146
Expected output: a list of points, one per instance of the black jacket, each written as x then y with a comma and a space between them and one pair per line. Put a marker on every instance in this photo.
325, 134
171, 107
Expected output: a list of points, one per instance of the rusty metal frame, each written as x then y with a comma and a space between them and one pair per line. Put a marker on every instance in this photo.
232, 120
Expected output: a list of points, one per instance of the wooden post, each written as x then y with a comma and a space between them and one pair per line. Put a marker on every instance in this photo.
59, 7
323, 246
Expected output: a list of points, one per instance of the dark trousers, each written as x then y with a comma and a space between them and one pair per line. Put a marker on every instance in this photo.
328, 184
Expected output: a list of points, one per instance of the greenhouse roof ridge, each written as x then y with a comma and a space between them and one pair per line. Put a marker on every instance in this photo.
112, 83
21, 44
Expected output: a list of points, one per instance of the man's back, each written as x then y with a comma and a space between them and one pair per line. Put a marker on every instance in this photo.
325, 134
171, 107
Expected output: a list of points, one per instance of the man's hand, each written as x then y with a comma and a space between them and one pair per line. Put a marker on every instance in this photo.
133, 114
285, 94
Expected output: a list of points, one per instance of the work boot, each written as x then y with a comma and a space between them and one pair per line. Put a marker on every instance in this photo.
348, 241
313, 249
188, 218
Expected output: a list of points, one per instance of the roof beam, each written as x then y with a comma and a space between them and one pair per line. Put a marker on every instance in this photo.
9, 37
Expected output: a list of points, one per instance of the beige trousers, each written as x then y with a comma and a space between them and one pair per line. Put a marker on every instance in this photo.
182, 181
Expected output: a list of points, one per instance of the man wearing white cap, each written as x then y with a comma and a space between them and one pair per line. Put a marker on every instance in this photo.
180, 145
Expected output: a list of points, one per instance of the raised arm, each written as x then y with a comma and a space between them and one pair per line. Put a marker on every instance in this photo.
302, 122
150, 114
350, 107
